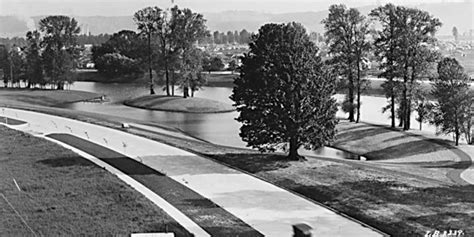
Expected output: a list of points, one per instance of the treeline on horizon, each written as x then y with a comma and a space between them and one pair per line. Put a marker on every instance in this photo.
216, 37
165, 42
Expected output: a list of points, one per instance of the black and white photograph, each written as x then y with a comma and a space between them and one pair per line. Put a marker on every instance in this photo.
239, 118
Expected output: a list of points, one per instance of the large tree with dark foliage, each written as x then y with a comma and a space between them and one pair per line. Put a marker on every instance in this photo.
59, 44
34, 67
124, 53
451, 89
187, 28
284, 92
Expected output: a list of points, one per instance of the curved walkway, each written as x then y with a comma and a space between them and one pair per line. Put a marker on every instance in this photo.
268, 209
468, 174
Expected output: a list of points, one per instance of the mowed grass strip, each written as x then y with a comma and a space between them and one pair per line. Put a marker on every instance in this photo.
65, 194
44, 97
397, 204
208, 215
11, 121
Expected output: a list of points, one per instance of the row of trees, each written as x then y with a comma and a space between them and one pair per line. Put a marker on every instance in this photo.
402, 39
165, 44
284, 91
48, 57
402, 42
242, 37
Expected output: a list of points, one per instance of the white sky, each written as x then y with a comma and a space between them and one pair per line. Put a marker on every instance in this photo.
128, 7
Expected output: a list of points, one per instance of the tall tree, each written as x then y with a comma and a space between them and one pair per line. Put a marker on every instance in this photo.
284, 92
187, 28
454, 100
230, 37
150, 21
59, 42
417, 29
217, 38
346, 31
361, 49
34, 67
4, 64
236, 37
244, 36
455, 33
16, 66
387, 50
192, 78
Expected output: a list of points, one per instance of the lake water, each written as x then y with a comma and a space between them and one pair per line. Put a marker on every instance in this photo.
218, 128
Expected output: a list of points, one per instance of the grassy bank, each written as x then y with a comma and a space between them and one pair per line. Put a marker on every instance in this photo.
44, 97
64, 194
403, 191
402, 199
179, 104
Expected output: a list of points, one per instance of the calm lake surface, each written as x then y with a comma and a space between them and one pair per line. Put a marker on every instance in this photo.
216, 128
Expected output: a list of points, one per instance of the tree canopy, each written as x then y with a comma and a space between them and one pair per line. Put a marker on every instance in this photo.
59, 41
452, 91
284, 92
346, 35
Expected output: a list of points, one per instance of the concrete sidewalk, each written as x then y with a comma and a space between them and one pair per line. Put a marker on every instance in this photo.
267, 208
468, 174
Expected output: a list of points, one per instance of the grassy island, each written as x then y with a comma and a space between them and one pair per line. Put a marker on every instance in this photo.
179, 104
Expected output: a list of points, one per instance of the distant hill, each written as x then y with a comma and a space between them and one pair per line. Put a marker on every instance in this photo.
451, 14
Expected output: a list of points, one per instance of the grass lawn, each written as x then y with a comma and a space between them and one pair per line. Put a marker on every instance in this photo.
64, 194
179, 104
400, 198
224, 80
397, 204
404, 190
44, 97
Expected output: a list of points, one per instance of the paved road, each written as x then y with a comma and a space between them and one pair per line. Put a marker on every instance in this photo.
268, 209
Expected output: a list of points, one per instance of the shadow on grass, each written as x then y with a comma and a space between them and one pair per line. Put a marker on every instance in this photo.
452, 165
411, 148
32, 99
66, 162
358, 199
448, 221
254, 163
355, 135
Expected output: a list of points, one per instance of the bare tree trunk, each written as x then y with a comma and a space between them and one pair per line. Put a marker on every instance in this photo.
392, 109
152, 84
358, 91
293, 155
351, 96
